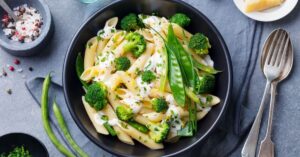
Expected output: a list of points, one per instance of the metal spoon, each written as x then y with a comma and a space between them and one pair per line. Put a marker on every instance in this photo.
267, 145
274, 51
8, 10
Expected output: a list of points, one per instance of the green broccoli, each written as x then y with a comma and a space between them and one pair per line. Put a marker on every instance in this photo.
124, 113
148, 76
159, 104
205, 83
122, 63
136, 44
200, 44
180, 19
131, 22
96, 95
158, 131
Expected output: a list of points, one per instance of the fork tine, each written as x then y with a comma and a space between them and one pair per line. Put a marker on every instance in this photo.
271, 48
276, 48
285, 52
280, 49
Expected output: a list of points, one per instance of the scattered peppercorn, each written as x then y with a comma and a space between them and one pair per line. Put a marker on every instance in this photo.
4, 72
17, 62
30, 69
9, 91
11, 68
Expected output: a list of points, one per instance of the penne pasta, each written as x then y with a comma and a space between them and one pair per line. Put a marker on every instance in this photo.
140, 62
128, 78
91, 113
178, 31
123, 136
141, 137
90, 53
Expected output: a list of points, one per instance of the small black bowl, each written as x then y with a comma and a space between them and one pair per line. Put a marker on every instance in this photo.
73, 89
9, 141
27, 49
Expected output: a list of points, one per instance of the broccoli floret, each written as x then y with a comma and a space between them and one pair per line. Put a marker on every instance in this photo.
205, 84
180, 19
159, 104
124, 113
136, 44
131, 22
200, 44
96, 95
148, 76
158, 131
122, 63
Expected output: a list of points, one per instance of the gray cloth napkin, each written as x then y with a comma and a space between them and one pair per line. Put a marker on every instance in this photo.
243, 40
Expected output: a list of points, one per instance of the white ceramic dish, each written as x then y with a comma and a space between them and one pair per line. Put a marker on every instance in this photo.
268, 15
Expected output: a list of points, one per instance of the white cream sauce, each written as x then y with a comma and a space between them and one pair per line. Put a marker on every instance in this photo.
133, 102
144, 87
98, 118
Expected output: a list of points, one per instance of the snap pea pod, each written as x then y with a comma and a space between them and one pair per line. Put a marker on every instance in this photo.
205, 68
189, 92
164, 75
62, 124
176, 78
108, 127
45, 119
138, 126
80, 69
182, 56
191, 126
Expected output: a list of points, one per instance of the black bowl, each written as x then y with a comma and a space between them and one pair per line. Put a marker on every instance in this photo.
73, 90
28, 49
9, 141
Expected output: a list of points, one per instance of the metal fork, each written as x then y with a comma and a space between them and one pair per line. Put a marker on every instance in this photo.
273, 65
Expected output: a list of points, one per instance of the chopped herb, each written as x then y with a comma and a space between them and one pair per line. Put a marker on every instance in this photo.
118, 97
143, 16
99, 38
103, 59
17, 152
137, 71
100, 32
89, 44
209, 99
148, 65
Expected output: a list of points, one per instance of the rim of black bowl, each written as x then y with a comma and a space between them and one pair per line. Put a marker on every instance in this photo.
31, 45
25, 134
226, 100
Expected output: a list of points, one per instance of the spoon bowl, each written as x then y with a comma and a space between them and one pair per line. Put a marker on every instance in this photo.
289, 57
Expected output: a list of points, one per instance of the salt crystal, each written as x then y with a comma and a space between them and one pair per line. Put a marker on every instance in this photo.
19, 70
